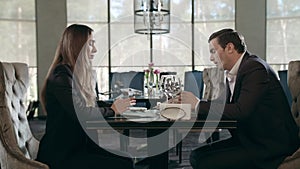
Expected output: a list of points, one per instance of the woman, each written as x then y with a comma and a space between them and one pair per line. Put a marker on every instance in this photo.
68, 97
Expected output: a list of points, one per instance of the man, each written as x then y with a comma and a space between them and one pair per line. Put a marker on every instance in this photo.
266, 132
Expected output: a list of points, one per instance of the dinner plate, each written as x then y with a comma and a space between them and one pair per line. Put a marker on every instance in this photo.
173, 113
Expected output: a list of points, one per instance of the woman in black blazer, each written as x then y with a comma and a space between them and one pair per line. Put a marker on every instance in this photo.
266, 132
69, 98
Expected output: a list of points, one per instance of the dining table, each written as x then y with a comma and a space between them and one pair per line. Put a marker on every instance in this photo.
157, 127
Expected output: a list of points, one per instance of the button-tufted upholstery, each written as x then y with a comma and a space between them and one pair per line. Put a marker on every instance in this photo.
213, 79
293, 161
18, 147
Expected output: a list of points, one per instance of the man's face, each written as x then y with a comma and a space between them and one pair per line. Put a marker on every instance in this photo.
217, 53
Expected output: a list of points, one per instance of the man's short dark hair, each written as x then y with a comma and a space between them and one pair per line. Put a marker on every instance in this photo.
225, 36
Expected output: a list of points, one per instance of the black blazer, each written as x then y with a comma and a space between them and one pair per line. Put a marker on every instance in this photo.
64, 135
265, 126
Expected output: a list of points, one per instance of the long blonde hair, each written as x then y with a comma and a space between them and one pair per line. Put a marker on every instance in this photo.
73, 51
85, 79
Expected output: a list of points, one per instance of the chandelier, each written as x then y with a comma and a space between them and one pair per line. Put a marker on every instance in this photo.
151, 16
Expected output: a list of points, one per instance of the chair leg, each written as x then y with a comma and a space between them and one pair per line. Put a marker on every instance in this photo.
180, 151
179, 146
175, 138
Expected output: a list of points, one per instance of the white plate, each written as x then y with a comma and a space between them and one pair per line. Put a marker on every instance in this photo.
137, 108
173, 113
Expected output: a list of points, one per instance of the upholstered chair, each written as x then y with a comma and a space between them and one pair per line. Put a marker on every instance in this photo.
213, 79
18, 147
293, 161
119, 80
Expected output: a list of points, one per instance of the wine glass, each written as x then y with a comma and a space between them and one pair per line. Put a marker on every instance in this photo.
171, 85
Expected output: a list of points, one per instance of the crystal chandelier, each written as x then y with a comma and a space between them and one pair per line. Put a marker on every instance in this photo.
151, 16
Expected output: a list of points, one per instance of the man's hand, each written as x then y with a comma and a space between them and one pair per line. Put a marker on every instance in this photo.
188, 98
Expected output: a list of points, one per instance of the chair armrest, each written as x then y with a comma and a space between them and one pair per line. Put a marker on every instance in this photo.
295, 155
24, 163
14, 158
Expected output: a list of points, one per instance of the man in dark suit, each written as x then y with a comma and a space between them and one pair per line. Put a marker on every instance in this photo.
266, 132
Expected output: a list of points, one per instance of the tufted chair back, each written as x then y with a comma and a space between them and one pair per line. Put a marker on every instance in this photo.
294, 86
18, 147
213, 79
293, 161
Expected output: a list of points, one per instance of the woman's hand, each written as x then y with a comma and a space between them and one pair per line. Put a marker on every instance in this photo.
120, 105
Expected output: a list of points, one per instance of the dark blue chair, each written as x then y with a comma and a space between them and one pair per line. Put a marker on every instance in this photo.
193, 82
283, 80
119, 80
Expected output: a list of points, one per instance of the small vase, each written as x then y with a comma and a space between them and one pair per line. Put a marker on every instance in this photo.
150, 86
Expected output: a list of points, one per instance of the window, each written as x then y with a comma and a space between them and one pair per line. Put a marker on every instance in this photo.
283, 21
120, 49
18, 34
210, 16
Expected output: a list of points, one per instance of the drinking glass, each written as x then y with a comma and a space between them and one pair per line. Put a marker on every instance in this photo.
171, 85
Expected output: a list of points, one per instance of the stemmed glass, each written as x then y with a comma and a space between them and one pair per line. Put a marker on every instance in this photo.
171, 85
